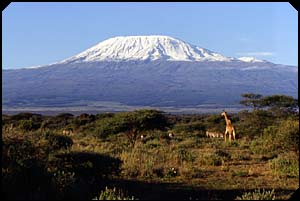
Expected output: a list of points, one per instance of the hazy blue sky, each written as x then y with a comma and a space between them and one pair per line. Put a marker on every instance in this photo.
43, 33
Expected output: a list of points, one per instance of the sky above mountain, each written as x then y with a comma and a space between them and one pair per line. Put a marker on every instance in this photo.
44, 33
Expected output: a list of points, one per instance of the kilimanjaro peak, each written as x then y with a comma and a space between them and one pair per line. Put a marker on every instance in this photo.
152, 47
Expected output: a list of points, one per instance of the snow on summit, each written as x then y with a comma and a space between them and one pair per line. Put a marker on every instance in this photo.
249, 59
153, 47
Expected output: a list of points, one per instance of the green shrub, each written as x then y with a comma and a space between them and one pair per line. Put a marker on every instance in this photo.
85, 164
113, 194
188, 127
252, 124
286, 164
24, 172
209, 158
258, 195
288, 134
151, 144
223, 154
215, 122
57, 141
280, 137
189, 171
132, 123
240, 173
184, 155
29, 125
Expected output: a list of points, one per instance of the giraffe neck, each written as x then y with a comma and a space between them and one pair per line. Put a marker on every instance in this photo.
226, 119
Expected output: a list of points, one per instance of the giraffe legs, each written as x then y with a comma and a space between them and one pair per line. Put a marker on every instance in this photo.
229, 136
233, 133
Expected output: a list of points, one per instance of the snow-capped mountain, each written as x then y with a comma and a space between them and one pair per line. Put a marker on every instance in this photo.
145, 48
146, 71
250, 59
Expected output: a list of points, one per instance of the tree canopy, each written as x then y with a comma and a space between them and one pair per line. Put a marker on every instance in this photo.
281, 103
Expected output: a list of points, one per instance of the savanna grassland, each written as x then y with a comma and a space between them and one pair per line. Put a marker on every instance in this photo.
102, 156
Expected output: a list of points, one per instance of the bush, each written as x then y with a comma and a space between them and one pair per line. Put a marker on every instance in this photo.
286, 164
76, 174
281, 137
29, 125
132, 124
24, 172
113, 194
258, 195
209, 158
189, 127
57, 141
240, 173
252, 124
85, 164
184, 155
138, 162
215, 123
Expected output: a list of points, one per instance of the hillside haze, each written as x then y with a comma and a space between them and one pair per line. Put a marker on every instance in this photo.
158, 71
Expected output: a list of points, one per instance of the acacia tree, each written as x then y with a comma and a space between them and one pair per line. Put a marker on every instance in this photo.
277, 103
280, 103
252, 100
140, 121
132, 124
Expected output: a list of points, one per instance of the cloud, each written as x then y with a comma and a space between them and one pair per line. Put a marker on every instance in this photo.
256, 53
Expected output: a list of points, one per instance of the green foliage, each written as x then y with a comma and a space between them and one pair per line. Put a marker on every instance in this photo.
252, 100
29, 125
41, 164
276, 138
108, 126
132, 123
215, 122
25, 115
258, 195
75, 174
251, 124
210, 158
57, 141
24, 174
286, 164
281, 102
185, 155
104, 115
239, 174
113, 194
288, 134
189, 127
83, 120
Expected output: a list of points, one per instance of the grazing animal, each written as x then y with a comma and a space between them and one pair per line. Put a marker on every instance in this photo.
214, 134
68, 131
229, 127
143, 138
171, 135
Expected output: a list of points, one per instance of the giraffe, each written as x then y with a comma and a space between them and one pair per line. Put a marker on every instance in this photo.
229, 127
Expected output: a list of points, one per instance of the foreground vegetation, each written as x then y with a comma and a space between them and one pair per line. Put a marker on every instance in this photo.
103, 156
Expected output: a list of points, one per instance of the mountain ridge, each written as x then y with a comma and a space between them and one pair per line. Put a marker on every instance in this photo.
158, 82
152, 47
